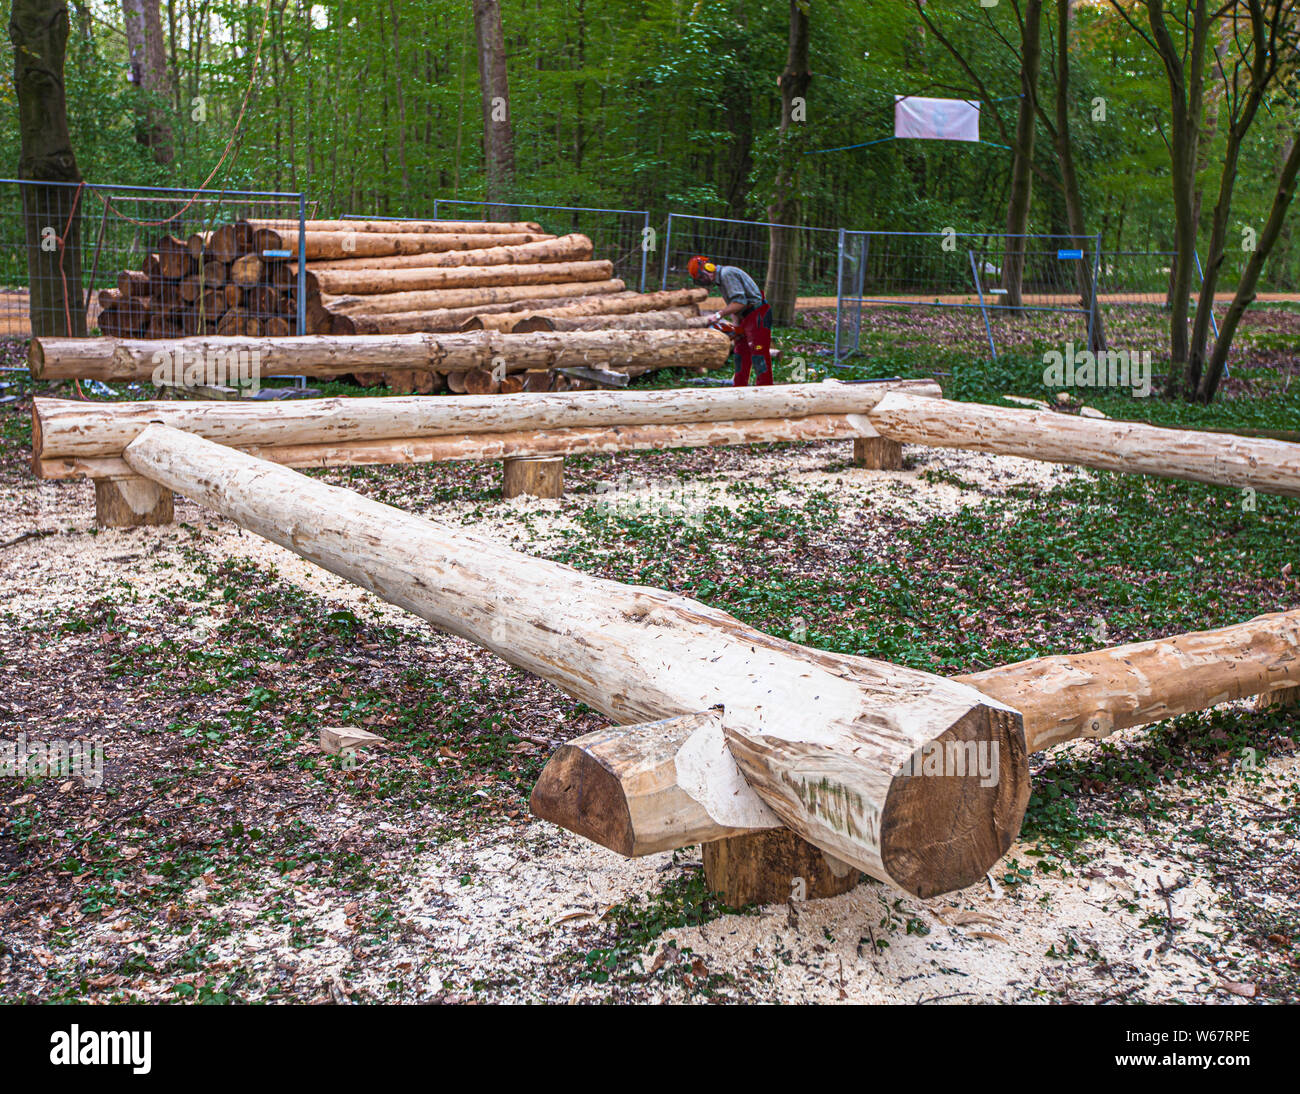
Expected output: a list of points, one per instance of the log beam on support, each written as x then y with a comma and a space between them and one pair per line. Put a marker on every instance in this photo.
1222, 459
877, 454
132, 502
675, 786
825, 739
532, 476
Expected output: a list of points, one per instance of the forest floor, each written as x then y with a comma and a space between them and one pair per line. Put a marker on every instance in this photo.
225, 857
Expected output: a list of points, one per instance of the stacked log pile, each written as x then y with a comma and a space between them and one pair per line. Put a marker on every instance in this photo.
389, 277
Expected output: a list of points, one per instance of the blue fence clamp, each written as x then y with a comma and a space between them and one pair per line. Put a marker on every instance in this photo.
277, 254
1069, 254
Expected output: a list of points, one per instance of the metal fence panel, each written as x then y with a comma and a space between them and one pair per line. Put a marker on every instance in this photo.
103, 242
748, 244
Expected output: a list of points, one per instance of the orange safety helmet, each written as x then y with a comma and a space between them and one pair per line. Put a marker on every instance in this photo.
699, 266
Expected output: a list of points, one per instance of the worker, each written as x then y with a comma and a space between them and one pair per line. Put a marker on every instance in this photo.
751, 331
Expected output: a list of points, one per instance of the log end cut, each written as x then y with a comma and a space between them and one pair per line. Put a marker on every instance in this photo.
587, 798
956, 806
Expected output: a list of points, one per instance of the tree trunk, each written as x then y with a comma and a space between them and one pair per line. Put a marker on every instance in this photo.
148, 55
1022, 156
782, 283
494, 90
354, 244
825, 739
1245, 293
1070, 180
51, 214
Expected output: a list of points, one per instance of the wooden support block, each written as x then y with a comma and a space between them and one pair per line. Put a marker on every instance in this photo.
773, 867
131, 502
536, 476
877, 454
1287, 697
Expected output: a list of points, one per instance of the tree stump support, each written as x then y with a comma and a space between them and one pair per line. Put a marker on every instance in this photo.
877, 454
773, 867
535, 476
132, 502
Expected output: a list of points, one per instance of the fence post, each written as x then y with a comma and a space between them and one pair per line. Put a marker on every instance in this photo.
839, 289
979, 288
645, 234
668, 249
302, 263
1093, 303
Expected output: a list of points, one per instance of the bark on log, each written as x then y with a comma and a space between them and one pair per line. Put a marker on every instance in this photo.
354, 244
569, 248
77, 428
1094, 694
1103, 443
657, 790
387, 227
824, 737
371, 282
774, 867
434, 299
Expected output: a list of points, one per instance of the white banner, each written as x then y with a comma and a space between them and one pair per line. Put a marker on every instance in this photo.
936, 119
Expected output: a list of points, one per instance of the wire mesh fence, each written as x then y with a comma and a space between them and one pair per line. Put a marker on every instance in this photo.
791, 259
621, 236
1010, 275
149, 262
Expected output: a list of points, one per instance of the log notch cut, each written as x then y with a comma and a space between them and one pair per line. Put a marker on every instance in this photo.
826, 740
73, 437
877, 454
1222, 459
132, 502
533, 476
668, 786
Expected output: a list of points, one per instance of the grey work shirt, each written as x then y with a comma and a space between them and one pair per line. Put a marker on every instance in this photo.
736, 285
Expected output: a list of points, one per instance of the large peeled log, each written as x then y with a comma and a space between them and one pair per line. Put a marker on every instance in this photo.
1108, 445
828, 741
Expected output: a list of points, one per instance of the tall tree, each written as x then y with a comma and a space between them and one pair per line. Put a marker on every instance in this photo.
494, 88
144, 38
782, 284
38, 30
1022, 151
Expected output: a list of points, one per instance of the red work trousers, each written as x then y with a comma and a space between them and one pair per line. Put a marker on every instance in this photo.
753, 337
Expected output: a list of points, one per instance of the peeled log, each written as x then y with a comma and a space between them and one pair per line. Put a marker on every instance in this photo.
337, 355
83, 429
376, 281
354, 244
824, 736
1094, 694
1108, 445
432, 299
455, 227
669, 791
570, 248
678, 319
454, 318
